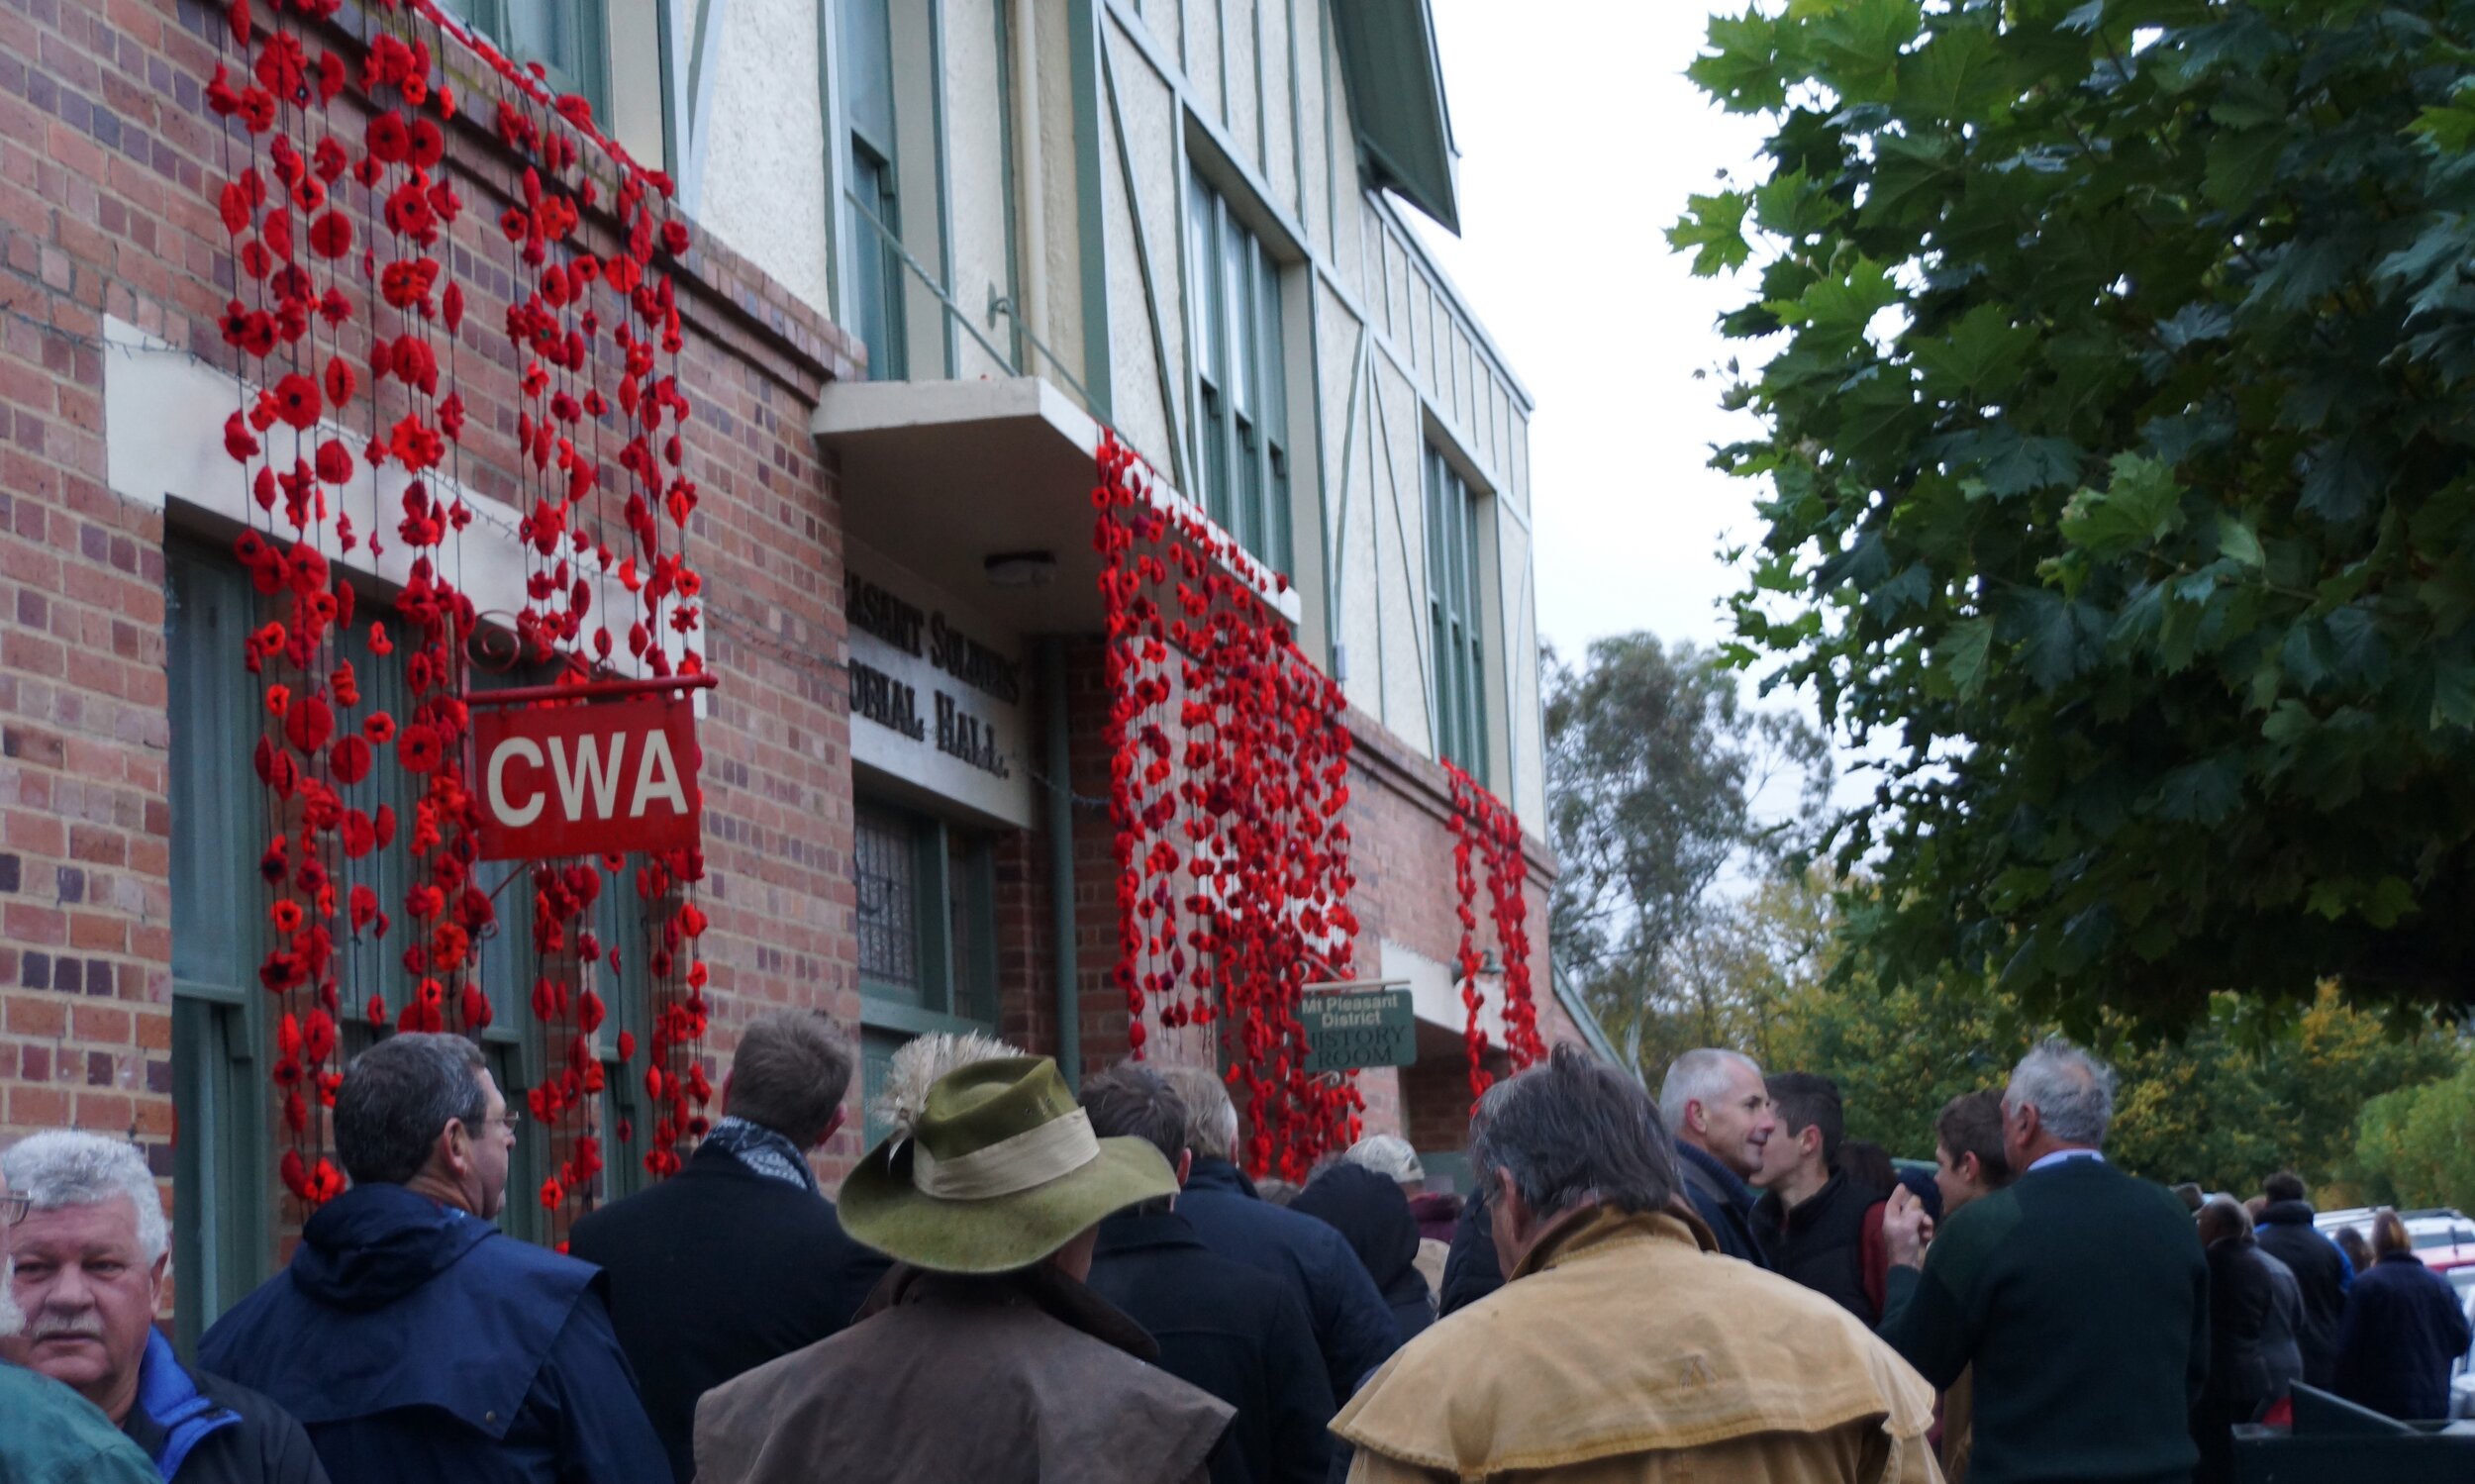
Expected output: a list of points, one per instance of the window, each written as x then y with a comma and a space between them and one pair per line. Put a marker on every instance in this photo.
222, 1171
223, 1164
1454, 605
613, 54
874, 197
927, 933
1241, 391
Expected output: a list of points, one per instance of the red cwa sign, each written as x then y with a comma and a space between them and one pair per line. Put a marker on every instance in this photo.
594, 778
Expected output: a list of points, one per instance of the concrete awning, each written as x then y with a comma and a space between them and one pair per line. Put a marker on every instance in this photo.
943, 475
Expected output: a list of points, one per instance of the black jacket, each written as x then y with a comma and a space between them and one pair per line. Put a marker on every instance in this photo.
1820, 1243
1237, 1333
713, 1272
2255, 1308
416, 1344
1353, 1330
1724, 1202
1371, 1213
2285, 1232
1470, 1269
2402, 1331
200, 1429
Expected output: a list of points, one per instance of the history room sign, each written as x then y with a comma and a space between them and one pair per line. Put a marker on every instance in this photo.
1359, 1028
935, 693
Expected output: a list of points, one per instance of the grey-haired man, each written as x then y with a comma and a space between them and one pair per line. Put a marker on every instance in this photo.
88, 1264
2076, 1292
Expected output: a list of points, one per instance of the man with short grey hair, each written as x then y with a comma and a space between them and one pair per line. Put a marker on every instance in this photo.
1717, 1104
1619, 1348
739, 1258
499, 1365
54, 1435
1354, 1328
2076, 1292
88, 1264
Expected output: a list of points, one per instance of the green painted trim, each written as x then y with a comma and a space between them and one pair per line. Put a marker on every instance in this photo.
1586, 1021
1083, 49
1323, 498
829, 102
1338, 575
696, 52
911, 1020
1262, 129
1143, 263
1401, 529
943, 172
1183, 193
1060, 763
1331, 167
1510, 626
1219, 30
1006, 85
1297, 120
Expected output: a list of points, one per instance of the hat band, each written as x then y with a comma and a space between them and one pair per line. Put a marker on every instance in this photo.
1036, 1157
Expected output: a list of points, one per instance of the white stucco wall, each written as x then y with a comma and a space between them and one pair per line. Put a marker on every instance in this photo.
763, 182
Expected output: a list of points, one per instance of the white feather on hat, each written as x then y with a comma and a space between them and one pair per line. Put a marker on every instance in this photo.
918, 1065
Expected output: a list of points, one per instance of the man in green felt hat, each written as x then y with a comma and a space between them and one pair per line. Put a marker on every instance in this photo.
983, 1356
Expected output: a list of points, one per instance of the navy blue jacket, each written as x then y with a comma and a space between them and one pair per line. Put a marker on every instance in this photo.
2402, 1330
1725, 1201
712, 1273
1354, 1327
1471, 1269
203, 1430
1237, 1332
415, 1342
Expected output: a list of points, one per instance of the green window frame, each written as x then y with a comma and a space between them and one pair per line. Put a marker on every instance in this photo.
224, 1161
927, 921
222, 1187
1241, 390
866, 37
570, 39
1455, 606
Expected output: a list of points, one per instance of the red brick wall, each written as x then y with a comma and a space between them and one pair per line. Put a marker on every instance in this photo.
109, 165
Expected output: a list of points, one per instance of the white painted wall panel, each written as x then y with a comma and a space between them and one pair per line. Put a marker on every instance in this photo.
764, 159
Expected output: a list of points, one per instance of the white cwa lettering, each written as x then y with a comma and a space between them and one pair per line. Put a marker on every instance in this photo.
514, 817
657, 758
588, 770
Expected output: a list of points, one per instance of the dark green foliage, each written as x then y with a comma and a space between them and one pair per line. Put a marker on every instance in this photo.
2117, 434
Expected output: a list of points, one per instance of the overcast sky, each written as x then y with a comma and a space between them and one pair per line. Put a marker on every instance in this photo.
1580, 139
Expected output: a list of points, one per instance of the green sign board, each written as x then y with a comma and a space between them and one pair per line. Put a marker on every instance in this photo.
1353, 1030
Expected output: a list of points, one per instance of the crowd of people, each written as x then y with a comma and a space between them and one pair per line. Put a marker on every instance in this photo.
1022, 1282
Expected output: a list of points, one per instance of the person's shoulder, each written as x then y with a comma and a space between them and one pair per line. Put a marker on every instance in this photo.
55, 1436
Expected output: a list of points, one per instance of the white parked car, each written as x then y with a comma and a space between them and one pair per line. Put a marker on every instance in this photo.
2443, 1237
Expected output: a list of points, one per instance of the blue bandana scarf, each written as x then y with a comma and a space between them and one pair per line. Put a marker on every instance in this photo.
762, 1149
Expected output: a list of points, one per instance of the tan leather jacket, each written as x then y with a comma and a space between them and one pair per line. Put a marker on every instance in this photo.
1026, 1379
1627, 1352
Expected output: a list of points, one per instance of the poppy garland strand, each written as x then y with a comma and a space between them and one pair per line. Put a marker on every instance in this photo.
1228, 771
313, 267
1486, 832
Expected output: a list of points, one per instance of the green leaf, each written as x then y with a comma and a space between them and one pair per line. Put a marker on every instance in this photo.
1744, 74
1984, 354
2239, 543
1794, 206
2241, 163
2340, 481
1712, 229
1834, 311
2308, 656
1964, 652
2084, 19
2454, 695
1955, 76
2142, 504
2201, 793
2391, 898
1856, 46
2016, 465
1910, 176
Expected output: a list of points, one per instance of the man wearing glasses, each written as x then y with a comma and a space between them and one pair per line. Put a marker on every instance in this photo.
54, 1435
413, 1341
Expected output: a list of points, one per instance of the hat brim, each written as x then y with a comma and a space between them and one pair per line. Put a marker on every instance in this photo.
881, 1207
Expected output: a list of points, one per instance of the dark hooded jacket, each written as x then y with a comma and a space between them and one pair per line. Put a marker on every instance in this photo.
200, 1429
415, 1343
1471, 1271
1237, 1333
2402, 1333
1353, 1330
1371, 1213
2285, 1232
1723, 1201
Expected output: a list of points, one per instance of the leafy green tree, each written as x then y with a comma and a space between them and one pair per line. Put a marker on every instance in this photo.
2418, 1143
2118, 441
2245, 1089
1653, 769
